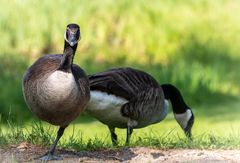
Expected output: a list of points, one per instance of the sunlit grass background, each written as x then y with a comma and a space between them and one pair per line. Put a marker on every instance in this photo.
192, 44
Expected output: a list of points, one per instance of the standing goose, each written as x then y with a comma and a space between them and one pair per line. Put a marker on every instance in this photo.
55, 89
130, 98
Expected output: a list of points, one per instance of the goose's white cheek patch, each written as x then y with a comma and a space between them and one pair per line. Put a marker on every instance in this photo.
183, 118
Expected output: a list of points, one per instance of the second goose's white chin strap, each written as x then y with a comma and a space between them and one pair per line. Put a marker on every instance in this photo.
65, 36
183, 118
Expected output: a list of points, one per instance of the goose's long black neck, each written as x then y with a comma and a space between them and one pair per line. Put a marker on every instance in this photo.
67, 59
173, 94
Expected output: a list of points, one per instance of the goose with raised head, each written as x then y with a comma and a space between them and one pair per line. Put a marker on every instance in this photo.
55, 89
130, 98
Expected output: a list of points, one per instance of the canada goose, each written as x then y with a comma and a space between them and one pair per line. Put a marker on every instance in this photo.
55, 89
130, 98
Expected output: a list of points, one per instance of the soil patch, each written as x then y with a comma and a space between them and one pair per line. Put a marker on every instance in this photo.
25, 152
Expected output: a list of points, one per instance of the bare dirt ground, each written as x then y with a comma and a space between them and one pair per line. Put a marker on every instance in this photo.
25, 152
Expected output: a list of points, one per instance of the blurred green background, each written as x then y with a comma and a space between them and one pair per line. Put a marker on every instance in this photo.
193, 44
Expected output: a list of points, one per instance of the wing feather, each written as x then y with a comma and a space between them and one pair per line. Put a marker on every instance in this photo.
123, 82
145, 105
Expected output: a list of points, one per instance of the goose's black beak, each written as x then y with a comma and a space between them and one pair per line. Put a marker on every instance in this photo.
73, 40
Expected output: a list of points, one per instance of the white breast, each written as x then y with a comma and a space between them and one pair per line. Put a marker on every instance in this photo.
59, 86
106, 108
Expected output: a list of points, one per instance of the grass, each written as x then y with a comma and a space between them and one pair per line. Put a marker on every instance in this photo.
209, 132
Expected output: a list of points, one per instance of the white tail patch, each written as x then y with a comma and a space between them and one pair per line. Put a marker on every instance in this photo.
183, 118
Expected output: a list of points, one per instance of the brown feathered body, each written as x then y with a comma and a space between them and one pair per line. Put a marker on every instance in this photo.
125, 95
53, 95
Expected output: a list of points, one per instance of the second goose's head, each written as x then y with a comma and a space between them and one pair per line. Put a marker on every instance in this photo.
72, 34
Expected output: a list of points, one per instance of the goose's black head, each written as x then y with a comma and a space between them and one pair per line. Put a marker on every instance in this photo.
72, 34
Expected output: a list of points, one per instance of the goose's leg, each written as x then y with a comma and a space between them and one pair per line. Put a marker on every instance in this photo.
130, 125
129, 133
113, 135
49, 155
